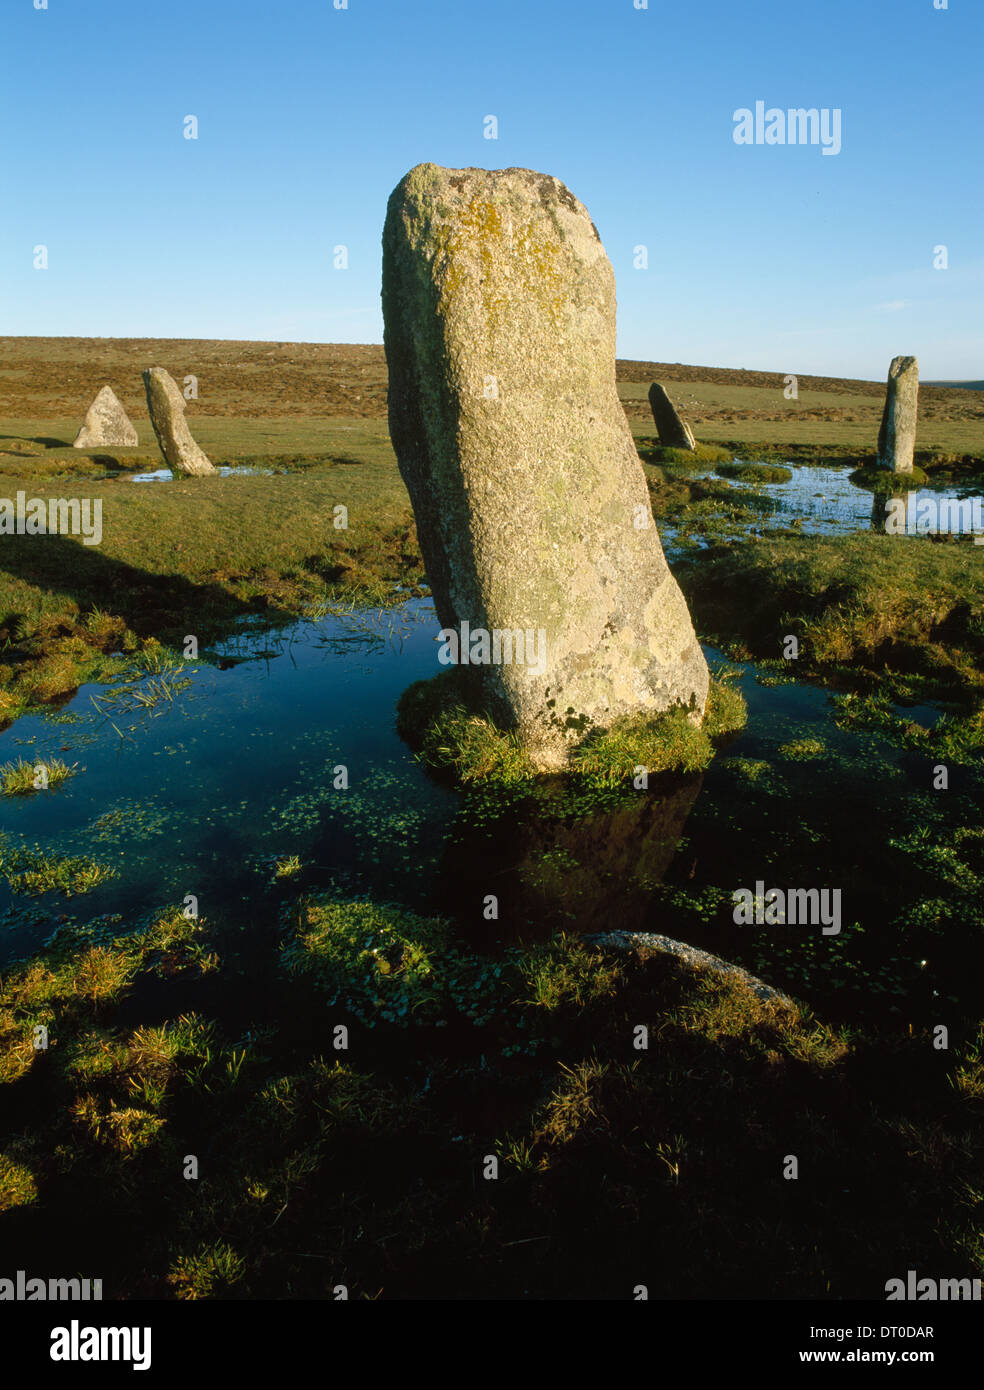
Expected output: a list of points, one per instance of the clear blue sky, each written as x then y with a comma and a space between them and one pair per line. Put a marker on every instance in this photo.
773, 257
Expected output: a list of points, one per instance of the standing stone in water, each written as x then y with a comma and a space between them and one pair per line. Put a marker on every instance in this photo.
897, 436
673, 432
166, 405
531, 504
106, 422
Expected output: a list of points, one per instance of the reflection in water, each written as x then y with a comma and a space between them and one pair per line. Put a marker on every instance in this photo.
822, 500
164, 475
553, 865
922, 513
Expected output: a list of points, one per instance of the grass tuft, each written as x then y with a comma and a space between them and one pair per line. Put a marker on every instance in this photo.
25, 778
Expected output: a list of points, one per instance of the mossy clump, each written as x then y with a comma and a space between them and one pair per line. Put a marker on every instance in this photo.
874, 479
452, 737
801, 749
754, 472
17, 1185
670, 743
684, 459
385, 964
441, 719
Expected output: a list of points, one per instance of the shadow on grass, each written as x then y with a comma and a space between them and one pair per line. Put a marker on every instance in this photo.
149, 603
47, 440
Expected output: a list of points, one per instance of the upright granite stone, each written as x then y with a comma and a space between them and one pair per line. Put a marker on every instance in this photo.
897, 436
166, 405
532, 509
673, 432
106, 422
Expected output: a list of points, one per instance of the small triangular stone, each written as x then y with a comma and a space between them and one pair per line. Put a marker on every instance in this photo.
106, 422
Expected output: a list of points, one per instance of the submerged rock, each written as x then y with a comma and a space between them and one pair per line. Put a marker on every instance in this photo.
897, 436
106, 422
697, 959
167, 405
674, 432
530, 500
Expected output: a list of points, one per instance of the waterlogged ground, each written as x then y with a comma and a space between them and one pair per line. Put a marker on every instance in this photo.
164, 475
204, 792
231, 787
821, 500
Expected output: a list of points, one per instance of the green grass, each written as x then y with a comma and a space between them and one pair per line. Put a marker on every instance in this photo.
322, 1171
883, 480
211, 1272
34, 871
25, 778
801, 749
193, 556
754, 472
868, 600
680, 460
386, 965
17, 1185
887, 619
440, 720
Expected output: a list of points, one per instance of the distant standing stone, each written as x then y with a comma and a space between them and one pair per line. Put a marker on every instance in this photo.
897, 436
673, 432
106, 422
532, 508
166, 405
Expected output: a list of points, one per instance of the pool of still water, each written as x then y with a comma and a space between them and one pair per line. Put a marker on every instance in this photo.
205, 793
822, 501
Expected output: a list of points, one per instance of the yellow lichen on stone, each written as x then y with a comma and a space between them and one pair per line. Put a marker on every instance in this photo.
471, 242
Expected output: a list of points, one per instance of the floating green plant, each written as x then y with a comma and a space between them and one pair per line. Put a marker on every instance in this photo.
34, 871
386, 964
801, 749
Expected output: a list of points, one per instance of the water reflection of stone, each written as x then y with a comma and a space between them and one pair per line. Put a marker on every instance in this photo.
924, 512
552, 868
882, 507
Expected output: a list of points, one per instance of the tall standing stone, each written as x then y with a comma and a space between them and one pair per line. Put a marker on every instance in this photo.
106, 422
897, 436
167, 405
531, 505
674, 433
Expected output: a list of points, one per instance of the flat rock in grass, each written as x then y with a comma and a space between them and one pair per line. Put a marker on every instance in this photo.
167, 406
674, 432
531, 504
693, 957
897, 436
106, 422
